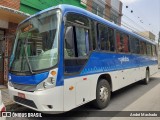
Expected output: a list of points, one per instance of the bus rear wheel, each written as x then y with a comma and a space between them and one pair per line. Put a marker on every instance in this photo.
103, 94
147, 78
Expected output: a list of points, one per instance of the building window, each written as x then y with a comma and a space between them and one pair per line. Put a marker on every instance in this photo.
98, 10
114, 16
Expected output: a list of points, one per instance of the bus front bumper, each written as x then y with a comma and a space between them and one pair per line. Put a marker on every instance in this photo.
47, 101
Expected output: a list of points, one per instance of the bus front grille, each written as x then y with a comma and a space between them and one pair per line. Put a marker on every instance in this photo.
28, 88
23, 101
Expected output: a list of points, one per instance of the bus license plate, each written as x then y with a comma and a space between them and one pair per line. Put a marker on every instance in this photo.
21, 95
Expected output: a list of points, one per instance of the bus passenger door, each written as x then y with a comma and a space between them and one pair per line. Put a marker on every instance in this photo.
76, 49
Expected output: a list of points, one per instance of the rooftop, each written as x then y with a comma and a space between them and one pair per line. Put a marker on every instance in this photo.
12, 15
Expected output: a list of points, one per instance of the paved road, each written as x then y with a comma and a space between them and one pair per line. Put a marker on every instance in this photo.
136, 97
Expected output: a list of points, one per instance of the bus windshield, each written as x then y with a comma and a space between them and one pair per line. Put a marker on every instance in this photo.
36, 44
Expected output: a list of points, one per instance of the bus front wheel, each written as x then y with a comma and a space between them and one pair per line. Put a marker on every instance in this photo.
103, 94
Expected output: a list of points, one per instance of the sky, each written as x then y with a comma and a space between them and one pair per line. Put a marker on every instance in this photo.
145, 15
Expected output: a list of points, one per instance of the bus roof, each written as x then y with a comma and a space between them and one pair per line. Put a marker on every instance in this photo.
69, 8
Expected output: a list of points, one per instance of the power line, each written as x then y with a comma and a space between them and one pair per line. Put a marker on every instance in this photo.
116, 10
138, 25
123, 24
146, 23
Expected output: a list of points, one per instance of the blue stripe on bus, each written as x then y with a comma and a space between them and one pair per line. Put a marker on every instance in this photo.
105, 62
100, 62
60, 77
29, 80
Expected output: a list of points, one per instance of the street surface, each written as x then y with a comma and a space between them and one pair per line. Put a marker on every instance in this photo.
136, 97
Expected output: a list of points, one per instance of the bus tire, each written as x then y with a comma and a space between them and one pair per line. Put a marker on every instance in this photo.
147, 78
103, 94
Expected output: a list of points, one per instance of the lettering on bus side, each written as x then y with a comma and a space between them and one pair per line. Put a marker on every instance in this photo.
123, 59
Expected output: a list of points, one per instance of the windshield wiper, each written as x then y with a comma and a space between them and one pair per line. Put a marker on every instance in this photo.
26, 54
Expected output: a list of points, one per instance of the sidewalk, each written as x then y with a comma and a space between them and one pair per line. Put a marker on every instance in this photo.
5, 97
2, 87
10, 105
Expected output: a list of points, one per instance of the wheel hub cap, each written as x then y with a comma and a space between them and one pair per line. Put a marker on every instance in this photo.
103, 94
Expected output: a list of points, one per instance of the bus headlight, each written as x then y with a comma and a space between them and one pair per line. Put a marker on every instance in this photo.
46, 84
52, 80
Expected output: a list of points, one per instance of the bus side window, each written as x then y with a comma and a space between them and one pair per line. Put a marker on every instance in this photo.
93, 32
103, 35
82, 39
126, 44
119, 47
154, 50
76, 43
76, 48
142, 48
69, 46
122, 42
135, 46
149, 51
111, 39
106, 38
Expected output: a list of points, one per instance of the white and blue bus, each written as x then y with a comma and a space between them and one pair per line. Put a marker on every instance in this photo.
65, 56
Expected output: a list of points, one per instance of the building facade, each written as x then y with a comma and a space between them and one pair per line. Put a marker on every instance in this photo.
9, 19
148, 34
33, 6
108, 9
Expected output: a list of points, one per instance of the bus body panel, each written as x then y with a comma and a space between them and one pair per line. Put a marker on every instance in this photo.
52, 97
29, 80
83, 92
119, 79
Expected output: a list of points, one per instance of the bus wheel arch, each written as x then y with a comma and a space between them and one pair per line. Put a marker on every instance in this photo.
103, 91
106, 77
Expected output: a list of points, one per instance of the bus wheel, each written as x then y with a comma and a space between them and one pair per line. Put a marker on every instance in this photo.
103, 94
146, 79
